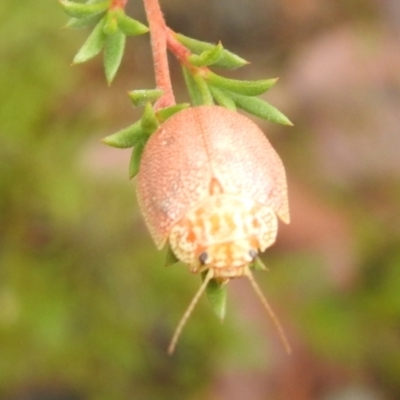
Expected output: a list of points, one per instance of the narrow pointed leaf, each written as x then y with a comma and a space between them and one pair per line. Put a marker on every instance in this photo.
193, 89
130, 26
258, 265
134, 164
206, 97
165, 113
80, 23
222, 98
260, 108
247, 88
149, 121
216, 294
142, 97
227, 60
170, 258
127, 137
113, 52
93, 44
83, 10
208, 57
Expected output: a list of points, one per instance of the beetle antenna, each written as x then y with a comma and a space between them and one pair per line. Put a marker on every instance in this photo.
270, 311
189, 311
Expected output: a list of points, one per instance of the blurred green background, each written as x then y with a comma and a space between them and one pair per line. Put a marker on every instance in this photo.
86, 307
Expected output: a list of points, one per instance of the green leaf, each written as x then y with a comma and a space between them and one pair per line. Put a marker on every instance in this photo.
165, 113
216, 294
113, 52
206, 97
83, 10
170, 258
93, 44
127, 137
247, 88
111, 24
130, 26
142, 97
134, 164
149, 121
258, 265
222, 98
260, 108
207, 57
227, 60
193, 89
80, 23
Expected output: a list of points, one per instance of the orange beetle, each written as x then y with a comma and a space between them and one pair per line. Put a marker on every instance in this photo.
211, 185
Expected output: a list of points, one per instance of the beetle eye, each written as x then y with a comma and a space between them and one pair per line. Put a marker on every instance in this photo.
253, 254
203, 257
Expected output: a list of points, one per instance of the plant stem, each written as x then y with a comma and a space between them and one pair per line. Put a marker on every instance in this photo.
158, 34
118, 4
176, 48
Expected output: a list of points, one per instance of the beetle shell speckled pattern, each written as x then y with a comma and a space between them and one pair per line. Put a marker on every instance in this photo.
203, 152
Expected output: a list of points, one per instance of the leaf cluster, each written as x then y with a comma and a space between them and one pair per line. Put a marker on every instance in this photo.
111, 26
207, 87
137, 134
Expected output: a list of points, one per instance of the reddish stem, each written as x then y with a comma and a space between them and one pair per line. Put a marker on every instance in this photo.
182, 54
158, 35
118, 4
176, 48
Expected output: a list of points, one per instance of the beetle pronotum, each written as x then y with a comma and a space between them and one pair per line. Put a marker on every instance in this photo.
212, 186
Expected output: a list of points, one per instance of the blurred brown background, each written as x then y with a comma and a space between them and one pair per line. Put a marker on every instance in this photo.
86, 307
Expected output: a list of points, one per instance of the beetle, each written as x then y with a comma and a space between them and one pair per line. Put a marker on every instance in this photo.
211, 186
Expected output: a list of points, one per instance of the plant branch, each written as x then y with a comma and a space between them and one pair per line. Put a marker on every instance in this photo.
158, 33
177, 49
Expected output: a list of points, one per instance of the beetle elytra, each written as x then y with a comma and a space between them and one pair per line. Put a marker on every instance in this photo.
211, 185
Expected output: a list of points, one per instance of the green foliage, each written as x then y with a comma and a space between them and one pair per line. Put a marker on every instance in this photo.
127, 137
260, 108
192, 87
142, 97
207, 57
142, 129
165, 113
203, 90
134, 164
217, 293
93, 45
227, 60
81, 10
246, 88
222, 98
170, 257
204, 86
112, 27
128, 25
113, 52
258, 265
81, 23
149, 120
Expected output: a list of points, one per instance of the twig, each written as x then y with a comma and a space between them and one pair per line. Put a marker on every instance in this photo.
158, 33
176, 48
